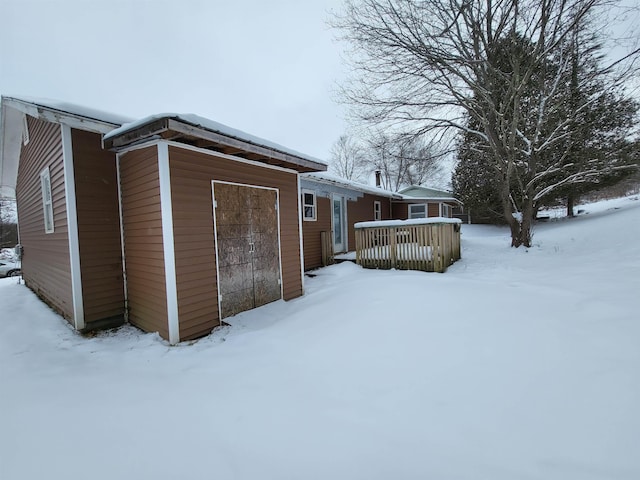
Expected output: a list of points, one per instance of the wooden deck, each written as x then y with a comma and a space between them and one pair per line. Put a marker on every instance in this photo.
430, 246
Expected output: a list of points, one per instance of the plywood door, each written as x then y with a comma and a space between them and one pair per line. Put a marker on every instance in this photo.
248, 247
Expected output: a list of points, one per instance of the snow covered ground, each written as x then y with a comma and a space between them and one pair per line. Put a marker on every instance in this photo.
515, 364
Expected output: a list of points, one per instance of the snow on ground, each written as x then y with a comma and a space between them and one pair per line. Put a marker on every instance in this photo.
515, 364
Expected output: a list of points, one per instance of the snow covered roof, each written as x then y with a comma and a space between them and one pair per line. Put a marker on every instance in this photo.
60, 112
190, 128
11, 128
415, 192
328, 178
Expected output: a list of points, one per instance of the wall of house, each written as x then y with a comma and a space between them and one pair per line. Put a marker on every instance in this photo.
433, 209
143, 244
191, 175
98, 230
311, 231
362, 211
399, 211
46, 263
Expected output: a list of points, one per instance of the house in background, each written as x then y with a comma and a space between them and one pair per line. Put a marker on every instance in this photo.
423, 202
331, 206
173, 222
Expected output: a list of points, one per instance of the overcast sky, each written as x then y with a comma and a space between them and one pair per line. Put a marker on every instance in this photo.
268, 67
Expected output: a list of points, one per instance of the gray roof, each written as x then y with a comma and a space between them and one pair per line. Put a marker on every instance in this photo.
425, 193
328, 178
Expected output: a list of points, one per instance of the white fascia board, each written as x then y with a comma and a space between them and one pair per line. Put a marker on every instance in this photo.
171, 282
11, 126
72, 224
58, 116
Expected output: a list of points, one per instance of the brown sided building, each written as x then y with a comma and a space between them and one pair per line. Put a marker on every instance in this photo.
173, 222
65, 184
330, 208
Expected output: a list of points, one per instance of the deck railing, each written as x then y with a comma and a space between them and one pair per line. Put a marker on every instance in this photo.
430, 245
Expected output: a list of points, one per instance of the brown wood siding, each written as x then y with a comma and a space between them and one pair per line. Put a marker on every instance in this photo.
46, 263
433, 209
191, 176
362, 211
143, 244
312, 245
399, 211
98, 227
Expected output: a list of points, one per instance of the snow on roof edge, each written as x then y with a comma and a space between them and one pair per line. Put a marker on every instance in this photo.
325, 177
72, 109
214, 126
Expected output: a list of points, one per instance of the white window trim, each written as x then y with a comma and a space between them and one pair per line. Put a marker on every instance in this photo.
377, 210
305, 205
423, 205
445, 210
47, 201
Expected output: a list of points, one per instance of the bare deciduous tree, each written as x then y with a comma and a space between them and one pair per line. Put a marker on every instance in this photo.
402, 160
433, 65
348, 159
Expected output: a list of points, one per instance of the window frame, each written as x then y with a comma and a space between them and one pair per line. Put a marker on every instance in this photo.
377, 210
410, 215
313, 206
445, 210
47, 201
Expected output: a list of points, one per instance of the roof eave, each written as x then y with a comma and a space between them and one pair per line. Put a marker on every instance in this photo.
328, 181
169, 128
55, 115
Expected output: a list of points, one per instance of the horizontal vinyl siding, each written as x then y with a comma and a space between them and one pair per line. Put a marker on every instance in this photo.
433, 210
98, 227
399, 211
191, 176
143, 246
311, 233
46, 263
362, 211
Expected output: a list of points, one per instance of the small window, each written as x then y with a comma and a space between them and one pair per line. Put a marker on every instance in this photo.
418, 210
446, 210
377, 211
309, 205
47, 202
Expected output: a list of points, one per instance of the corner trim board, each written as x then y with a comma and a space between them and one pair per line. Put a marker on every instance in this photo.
300, 220
124, 260
72, 224
168, 243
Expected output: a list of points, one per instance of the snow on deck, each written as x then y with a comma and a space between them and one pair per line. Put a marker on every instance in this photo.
404, 223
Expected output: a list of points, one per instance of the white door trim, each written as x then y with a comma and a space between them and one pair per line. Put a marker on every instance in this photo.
215, 235
345, 231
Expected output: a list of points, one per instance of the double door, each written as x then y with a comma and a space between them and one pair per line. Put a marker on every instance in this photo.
248, 247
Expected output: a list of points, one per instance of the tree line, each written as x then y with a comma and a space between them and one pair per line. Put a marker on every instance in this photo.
540, 107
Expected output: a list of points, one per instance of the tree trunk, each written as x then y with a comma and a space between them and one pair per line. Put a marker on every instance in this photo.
570, 204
